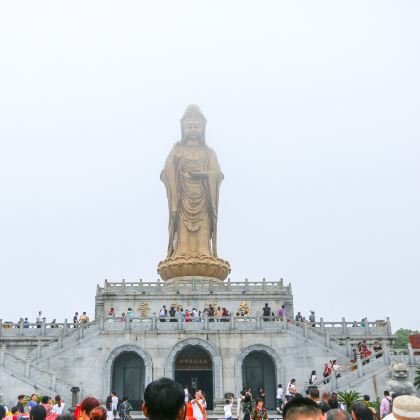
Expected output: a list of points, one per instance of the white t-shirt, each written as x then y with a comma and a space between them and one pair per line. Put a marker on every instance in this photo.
228, 410
58, 410
196, 410
279, 393
114, 403
186, 394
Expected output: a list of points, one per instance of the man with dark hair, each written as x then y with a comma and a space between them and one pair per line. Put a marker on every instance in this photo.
302, 409
338, 414
164, 400
19, 404
314, 394
360, 411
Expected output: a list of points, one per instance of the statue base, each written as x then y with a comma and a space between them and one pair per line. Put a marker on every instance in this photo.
193, 266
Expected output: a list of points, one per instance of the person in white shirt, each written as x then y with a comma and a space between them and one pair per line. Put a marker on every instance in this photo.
186, 394
291, 389
228, 409
239, 411
58, 407
279, 397
199, 405
114, 400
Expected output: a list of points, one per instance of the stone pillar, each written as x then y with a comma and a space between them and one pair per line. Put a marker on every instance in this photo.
388, 326
81, 331
368, 330
102, 323
1, 327
127, 323
38, 349
206, 321
232, 321
344, 326
53, 381
141, 286
264, 285
348, 347
258, 321
66, 325
321, 321
229, 285
2, 354
411, 358
284, 323
385, 353
154, 321
359, 366
60, 341
43, 326
74, 396
28, 367
179, 325
334, 380
246, 285
327, 339
158, 285
305, 329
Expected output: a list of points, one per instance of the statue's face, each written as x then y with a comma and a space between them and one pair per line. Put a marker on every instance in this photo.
193, 130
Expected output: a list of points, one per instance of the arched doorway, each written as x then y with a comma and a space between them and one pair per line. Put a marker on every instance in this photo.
128, 377
194, 369
258, 371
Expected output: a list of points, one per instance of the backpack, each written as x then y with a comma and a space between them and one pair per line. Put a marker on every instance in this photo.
390, 405
124, 409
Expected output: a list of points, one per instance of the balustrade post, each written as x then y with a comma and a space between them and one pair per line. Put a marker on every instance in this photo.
258, 319
344, 326
229, 285
246, 285
141, 286
1, 327
305, 329
334, 379
179, 322
367, 328
322, 325
411, 358
123, 287
38, 349
102, 323
264, 285
284, 319
21, 326
327, 339
44, 327
74, 397
211, 286
28, 366
53, 381
348, 347
154, 321
126, 323
81, 331
60, 341
158, 285
106, 285
206, 321
385, 353
2, 354
66, 325
232, 321
388, 326
359, 366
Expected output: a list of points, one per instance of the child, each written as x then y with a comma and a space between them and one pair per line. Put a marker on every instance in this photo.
228, 409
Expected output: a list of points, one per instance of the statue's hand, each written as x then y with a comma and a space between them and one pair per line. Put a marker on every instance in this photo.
199, 174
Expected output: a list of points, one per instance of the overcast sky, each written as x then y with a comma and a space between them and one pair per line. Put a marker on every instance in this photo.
312, 109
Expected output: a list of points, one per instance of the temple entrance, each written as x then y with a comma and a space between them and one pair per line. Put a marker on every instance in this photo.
128, 378
194, 369
258, 371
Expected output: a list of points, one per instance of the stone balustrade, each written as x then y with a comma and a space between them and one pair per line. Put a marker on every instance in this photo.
196, 284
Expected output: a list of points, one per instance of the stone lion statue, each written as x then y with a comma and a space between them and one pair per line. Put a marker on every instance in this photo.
399, 382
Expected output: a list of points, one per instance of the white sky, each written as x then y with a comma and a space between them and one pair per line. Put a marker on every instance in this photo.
312, 108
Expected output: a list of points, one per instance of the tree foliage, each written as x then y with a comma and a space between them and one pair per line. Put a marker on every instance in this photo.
402, 337
348, 398
417, 378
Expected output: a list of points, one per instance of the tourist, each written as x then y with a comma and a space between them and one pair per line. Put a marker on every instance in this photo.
266, 311
188, 316
386, 405
163, 313
324, 403
172, 314
282, 312
405, 407
19, 405
377, 348
39, 319
298, 317
327, 372
108, 406
98, 413
302, 409
38, 413
313, 378
114, 399
46, 402
123, 317
164, 399
58, 407
84, 319
86, 407
247, 406
199, 405
14, 414
291, 389
228, 409
259, 412
366, 400
26, 323
32, 402
359, 411
312, 318
111, 313
76, 319
333, 403
261, 394
239, 408
355, 324
338, 414
130, 314
279, 397
314, 395
124, 409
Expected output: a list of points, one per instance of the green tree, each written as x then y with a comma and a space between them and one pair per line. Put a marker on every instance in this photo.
402, 337
348, 398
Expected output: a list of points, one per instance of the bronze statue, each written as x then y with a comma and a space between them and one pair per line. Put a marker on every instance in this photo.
192, 178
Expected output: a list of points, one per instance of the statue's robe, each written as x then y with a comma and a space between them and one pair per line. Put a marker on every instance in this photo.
193, 203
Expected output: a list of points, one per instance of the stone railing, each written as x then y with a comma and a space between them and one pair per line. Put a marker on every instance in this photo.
201, 285
26, 371
34, 329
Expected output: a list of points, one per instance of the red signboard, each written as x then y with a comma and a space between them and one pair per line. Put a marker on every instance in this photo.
415, 341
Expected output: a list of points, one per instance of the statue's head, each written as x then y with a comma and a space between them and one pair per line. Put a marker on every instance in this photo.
399, 370
193, 126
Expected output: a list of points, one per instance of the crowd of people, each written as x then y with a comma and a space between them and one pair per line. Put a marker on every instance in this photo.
164, 399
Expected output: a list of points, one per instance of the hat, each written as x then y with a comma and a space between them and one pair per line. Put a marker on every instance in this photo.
405, 406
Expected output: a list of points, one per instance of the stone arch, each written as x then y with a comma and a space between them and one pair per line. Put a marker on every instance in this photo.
215, 356
148, 366
261, 348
